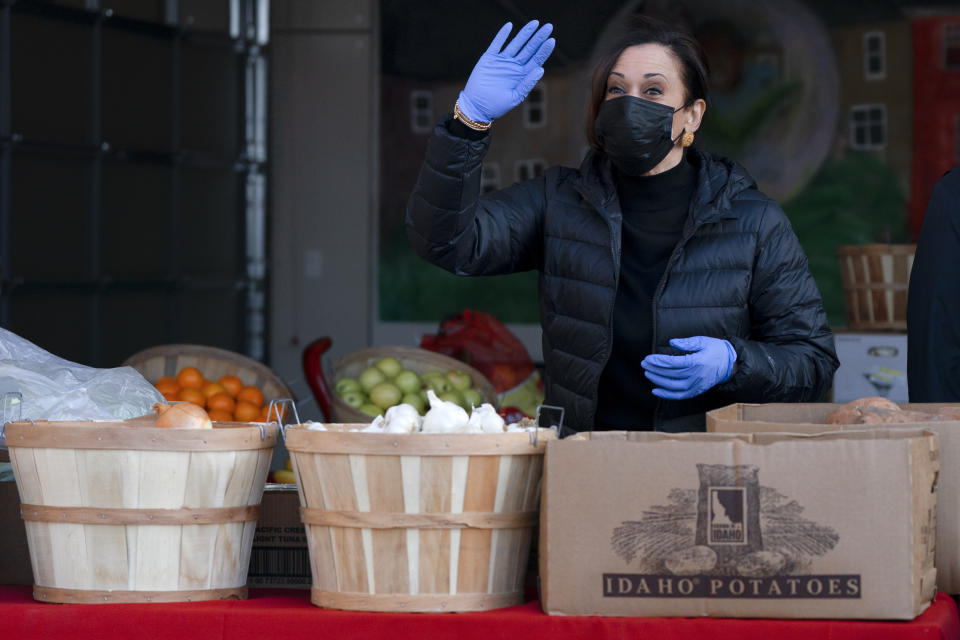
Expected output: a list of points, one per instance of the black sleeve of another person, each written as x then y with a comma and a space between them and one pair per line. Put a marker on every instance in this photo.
933, 311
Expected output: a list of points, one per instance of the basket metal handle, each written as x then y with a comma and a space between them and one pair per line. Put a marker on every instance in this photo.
534, 435
274, 409
12, 402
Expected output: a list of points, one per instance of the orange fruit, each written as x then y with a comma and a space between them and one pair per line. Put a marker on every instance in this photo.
218, 415
167, 385
277, 411
190, 377
232, 384
246, 412
212, 389
251, 394
171, 397
189, 394
222, 401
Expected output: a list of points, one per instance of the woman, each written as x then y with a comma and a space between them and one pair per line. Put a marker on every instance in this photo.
668, 285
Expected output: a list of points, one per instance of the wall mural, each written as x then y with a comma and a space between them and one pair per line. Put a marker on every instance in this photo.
846, 113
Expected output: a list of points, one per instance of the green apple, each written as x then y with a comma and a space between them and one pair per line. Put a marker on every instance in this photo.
455, 397
472, 397
370, 378
431, 373
371, 410
439, 384
407, 381
346, 384
389, 365
355, 399
459, 379
415, 401
385, 395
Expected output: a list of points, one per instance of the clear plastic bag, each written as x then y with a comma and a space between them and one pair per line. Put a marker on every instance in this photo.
56, 389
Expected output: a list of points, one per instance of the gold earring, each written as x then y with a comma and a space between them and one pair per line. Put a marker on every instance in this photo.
687, 139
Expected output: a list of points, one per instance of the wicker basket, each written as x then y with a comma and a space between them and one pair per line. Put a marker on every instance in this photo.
875, 282
214, 363
418, 522
418, 360
123, 513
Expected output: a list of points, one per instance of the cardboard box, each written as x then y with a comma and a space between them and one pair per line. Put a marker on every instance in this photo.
871, 364
761, 525
15, 567
810, 418
279, 557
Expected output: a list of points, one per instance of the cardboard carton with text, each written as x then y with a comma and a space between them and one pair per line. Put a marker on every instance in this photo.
763, 525
810, 418
279, 557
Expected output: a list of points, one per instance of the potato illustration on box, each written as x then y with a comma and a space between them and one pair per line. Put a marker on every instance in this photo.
716, 531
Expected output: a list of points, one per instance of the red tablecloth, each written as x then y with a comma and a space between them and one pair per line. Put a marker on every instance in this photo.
282, 614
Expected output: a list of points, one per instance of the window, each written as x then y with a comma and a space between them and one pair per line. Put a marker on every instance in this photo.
868, 126
490, 177
421, 111
535, 108
527, 169
875, 55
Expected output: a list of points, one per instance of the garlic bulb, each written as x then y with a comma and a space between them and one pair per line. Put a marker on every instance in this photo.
374, 427
485, 419
473, 426
401, 418
443, 417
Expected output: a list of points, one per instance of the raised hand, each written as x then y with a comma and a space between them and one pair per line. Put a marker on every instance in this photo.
501, 79
709, 363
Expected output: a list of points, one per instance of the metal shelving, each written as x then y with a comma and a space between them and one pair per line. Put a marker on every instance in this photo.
162, 143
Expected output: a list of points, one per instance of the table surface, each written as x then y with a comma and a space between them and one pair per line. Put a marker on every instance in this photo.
288, 614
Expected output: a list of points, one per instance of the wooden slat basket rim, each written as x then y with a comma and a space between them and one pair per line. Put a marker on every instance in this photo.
431, 359
875, 249
65, 434
99, 596
199, 350
409, 602
338, 439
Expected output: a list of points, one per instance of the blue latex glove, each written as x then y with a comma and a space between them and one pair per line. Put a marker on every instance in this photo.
709, 363
502, 79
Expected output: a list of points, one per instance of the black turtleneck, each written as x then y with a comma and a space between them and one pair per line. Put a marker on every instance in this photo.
654, 210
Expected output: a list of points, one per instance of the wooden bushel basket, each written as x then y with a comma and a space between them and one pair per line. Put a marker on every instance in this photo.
418, 360
417, 522
214, 363
875, 282
121, 513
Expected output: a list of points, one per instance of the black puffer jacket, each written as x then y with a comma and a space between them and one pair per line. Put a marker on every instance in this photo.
737, 273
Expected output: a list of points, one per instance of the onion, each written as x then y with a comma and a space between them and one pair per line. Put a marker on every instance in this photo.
181, 415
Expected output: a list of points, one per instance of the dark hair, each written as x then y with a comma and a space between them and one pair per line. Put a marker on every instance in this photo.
647, 30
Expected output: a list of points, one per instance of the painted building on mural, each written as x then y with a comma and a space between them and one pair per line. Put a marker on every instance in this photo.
936, 61
874, 60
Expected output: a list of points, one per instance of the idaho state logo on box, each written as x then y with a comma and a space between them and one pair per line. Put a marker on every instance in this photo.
731, 538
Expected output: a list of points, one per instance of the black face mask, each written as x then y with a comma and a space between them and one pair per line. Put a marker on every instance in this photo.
635, 133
